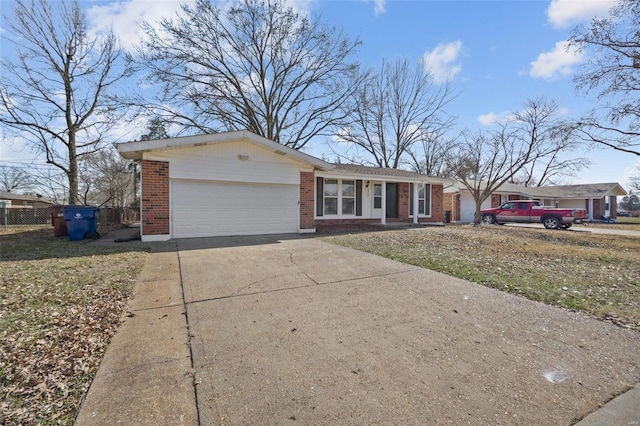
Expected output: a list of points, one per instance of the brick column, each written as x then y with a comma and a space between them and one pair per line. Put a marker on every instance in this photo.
155, 198
437, 203
307, 200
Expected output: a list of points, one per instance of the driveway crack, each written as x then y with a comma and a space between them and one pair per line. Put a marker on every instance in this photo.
194, 382
277, 290
293, 262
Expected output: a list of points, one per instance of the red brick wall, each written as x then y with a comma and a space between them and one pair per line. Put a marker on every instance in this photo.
307, 200
437, 205
495, 200
403, 201
155, 197
404, 205
451, 202
598, 209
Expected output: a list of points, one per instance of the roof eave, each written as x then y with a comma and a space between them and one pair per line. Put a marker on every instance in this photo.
343, 174
135, 150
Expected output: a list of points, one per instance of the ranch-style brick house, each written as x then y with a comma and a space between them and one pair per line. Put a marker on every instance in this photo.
599, 199
239, 183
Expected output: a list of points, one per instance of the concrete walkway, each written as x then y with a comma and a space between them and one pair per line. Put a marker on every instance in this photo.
278, 330
145, 377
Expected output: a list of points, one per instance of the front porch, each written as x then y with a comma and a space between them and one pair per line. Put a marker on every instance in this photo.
357, 198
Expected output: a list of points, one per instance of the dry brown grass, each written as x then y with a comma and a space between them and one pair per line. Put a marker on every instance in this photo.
598, 274
60, 303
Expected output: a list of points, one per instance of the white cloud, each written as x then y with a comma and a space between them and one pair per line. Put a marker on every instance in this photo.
126, 17
564, 13
442, 63
379, 6
557, 62
492, 118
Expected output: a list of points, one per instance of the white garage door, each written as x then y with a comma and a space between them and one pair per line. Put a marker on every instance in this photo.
202, 209
468, 208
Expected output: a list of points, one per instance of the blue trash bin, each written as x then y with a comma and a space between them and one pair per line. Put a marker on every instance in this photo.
82, 222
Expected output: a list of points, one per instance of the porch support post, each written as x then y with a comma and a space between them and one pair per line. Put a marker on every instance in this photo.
415, 202
590, 208
383, 219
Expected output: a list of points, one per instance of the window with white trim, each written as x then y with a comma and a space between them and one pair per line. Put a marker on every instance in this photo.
339, 196
330, 196
377, 196
424, 200
348, 197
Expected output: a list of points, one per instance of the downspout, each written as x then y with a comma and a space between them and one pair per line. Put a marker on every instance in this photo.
453, 208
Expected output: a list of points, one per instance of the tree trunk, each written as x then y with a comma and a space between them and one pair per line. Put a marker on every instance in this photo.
73, 169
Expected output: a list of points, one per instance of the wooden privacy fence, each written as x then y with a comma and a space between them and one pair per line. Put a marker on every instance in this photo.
42, 215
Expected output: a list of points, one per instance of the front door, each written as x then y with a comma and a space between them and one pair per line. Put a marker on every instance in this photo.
392, 200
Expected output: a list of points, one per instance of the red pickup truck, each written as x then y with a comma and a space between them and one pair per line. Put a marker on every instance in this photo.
529, 211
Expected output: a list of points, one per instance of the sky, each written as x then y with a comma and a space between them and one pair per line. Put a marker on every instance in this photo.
496, 54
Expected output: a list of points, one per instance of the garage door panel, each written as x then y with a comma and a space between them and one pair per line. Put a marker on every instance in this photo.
468, 208
217, 209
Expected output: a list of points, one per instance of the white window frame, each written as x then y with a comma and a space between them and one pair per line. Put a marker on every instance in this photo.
422, 200
374, 196
340, 198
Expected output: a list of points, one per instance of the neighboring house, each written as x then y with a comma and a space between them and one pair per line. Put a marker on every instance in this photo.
11, 200
599, 199
239, 183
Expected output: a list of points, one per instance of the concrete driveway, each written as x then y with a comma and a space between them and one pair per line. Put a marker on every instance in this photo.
293, 330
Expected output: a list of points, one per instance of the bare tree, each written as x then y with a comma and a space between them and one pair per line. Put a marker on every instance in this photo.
107, 179
429, 155
15, 179
555, 141
51, 182
485, 161
635, 181
56, 94
257, 65
394, 110
613, 70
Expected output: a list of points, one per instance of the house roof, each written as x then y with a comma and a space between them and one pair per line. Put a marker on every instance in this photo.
589, 190
4, 195
383, 173
134, 150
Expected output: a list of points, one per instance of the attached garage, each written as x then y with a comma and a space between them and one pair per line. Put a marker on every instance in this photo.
468, 207
202, 209
223, 184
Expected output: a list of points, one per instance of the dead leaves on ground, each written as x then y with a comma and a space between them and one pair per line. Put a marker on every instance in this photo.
57, 316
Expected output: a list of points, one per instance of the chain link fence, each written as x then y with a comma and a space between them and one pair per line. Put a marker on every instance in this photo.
42, 216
